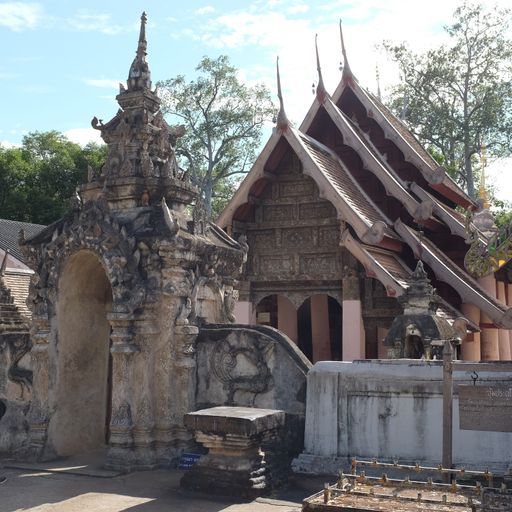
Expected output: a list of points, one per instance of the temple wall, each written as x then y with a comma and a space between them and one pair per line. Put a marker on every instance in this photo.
393, 410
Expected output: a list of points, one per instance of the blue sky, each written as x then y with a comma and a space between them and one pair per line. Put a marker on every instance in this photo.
61, 61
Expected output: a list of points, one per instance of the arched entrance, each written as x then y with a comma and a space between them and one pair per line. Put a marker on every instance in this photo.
81, 357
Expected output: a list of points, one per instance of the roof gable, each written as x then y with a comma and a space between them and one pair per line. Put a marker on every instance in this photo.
9, 235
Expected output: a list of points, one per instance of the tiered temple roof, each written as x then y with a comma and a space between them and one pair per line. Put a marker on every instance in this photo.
396, 203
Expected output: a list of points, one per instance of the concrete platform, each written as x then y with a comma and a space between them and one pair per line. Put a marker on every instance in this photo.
148, 491
87, 465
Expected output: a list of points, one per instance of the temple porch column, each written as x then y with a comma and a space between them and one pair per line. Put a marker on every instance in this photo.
470, 350
145, 390
489, 341
320, 328
353, 328
503, 334
287, 318
121, 445
39, 413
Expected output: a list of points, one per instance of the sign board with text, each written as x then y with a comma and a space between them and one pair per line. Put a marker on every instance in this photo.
487, 408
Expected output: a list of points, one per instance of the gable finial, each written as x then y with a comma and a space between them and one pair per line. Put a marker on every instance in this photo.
377, 77
320, 88
282, 122
347, 72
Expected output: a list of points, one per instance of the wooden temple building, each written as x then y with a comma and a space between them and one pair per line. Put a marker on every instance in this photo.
336, 214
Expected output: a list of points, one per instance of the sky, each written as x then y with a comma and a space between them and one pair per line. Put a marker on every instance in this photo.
61, 61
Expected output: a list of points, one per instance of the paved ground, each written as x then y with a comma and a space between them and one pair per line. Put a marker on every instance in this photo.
149, 491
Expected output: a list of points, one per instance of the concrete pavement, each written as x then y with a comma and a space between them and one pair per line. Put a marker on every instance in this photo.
150, 491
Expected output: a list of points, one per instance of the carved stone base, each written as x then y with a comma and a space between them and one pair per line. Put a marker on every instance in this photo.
121, 455
37, 448
235, 464
144, 447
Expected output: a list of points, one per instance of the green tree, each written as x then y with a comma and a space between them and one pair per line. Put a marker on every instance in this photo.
458, 97
38, 179
14, 175
224, 119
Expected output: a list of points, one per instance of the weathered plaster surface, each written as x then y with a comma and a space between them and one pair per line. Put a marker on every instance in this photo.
392, 410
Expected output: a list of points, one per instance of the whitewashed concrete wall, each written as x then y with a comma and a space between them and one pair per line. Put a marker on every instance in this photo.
393, 410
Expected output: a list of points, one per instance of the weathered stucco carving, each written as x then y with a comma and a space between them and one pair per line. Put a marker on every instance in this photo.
156, 274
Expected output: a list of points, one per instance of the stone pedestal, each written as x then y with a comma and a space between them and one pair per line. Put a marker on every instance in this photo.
237, 439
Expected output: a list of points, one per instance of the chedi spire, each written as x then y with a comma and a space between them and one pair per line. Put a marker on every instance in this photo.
141, 164
139, 76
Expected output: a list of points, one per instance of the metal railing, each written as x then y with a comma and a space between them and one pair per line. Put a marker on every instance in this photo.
360, 486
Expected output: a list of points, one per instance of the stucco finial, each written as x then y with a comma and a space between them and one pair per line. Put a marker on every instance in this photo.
142, 46
139, 76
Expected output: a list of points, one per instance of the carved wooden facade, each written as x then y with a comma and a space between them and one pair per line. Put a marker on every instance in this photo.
293, 237
381, 197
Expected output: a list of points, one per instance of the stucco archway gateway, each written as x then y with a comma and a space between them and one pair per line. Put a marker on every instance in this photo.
131, 223
81, 352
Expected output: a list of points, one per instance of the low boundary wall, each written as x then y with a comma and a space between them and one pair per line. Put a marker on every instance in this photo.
392, 409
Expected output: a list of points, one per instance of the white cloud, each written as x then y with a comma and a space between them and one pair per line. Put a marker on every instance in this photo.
103, 82
267, 27
7, 76
8, 144
83, 136
207, 9
498, 177
19, 15
37, 89
297, 9
85, 21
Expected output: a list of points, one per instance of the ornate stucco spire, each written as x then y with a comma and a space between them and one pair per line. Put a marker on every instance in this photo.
320, 88
347, 72
139, 77
282, 122
417, 332
141, 164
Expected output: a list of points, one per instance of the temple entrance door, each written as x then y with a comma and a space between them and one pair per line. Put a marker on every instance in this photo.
81, 357
320, 328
